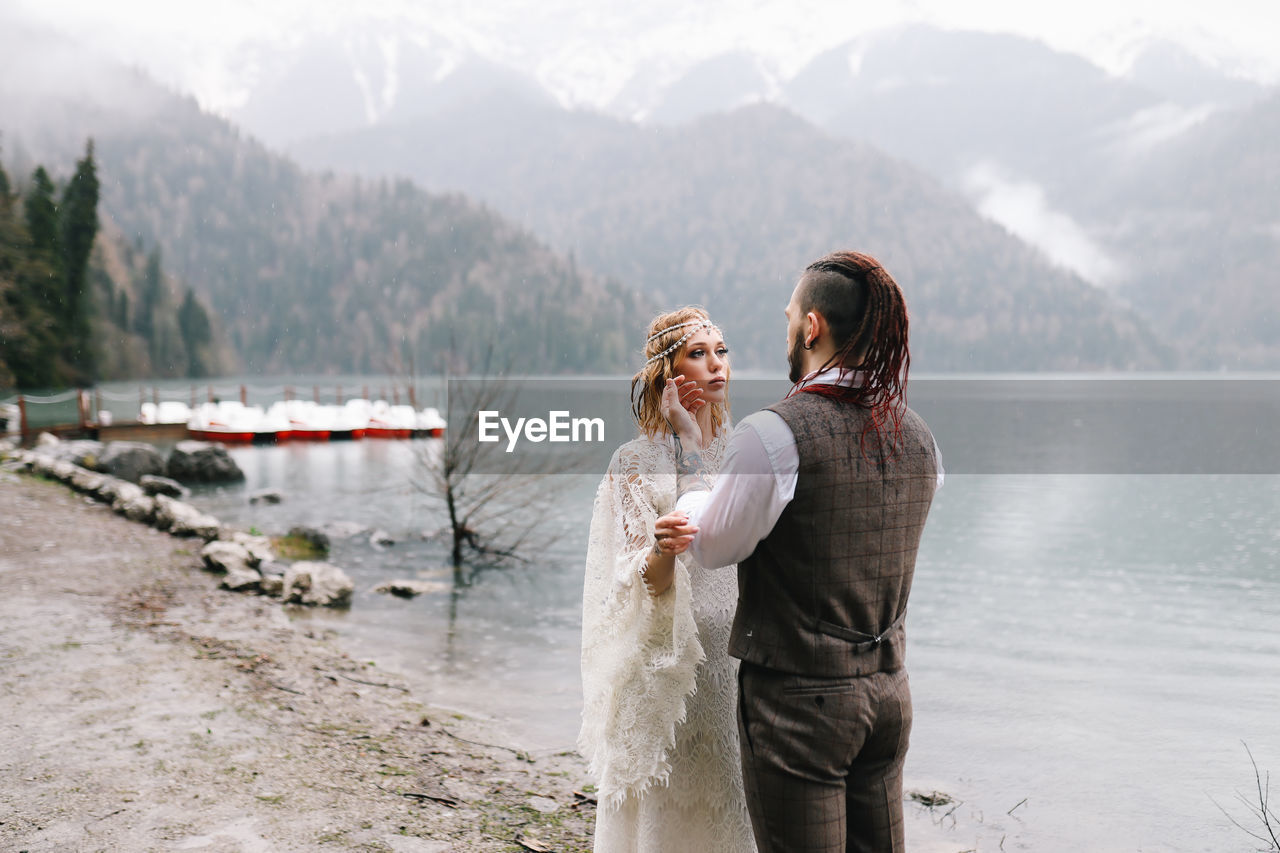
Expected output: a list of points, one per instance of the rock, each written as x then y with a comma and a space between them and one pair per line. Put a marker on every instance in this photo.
241, 580
381, 538
410, 588
202, 462
273, 567
109, 489
266, 496
156, 485
182, 519
84, 452
315, 583
136, 506
129, 460
222, 556
312, 536
200, 526
87, 482
545, 805
126, 491
165, 511
41, 464
62, 471
257, 547
271, 584
343, 529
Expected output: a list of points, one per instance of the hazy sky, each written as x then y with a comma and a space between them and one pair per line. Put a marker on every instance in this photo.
586, 47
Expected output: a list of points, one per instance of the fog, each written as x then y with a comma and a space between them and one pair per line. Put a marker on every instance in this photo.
587, 53
1022, 207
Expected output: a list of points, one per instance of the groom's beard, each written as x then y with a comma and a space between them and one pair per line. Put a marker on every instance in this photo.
795, 359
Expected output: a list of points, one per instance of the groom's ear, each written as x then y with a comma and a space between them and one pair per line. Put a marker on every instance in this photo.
815, 326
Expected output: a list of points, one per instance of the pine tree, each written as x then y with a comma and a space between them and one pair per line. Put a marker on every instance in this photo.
42, 233
28, 334
197, 334
42, 214
150, 296
78, 228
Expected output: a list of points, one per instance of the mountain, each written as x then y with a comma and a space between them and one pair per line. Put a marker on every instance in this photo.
330, 83
311, 272
719, 84
728, 210
1159, 184
1179, 76
1202, 215
949, 100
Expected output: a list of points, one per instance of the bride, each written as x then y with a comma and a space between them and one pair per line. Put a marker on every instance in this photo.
659, 688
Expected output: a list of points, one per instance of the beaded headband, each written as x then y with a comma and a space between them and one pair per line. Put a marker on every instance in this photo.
697, 324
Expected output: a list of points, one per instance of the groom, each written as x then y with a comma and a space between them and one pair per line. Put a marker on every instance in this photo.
821, 501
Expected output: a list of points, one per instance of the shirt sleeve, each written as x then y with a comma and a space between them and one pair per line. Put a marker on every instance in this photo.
942, 474
755, 484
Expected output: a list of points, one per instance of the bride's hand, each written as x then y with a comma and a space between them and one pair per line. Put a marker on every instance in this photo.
680, 399
673, 534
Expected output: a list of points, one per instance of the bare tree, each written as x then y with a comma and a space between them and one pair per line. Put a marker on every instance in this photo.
497, 511
1261, 809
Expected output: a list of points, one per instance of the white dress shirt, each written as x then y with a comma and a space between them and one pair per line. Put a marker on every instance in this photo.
755, 484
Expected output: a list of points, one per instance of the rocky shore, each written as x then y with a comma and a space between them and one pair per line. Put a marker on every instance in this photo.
246, 561
143, 708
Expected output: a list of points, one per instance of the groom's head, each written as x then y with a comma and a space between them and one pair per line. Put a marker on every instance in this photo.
847, 311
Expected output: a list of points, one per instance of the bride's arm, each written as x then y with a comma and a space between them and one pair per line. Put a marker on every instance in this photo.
640, 653
658, 569
659, 544
671, 536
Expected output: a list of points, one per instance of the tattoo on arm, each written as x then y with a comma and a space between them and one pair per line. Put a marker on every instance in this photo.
691, 471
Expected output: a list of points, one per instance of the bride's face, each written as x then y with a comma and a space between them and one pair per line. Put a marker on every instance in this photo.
706, 362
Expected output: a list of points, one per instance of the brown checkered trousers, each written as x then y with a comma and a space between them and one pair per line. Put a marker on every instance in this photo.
824, 704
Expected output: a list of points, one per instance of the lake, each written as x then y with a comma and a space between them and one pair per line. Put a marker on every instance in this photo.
1089, 653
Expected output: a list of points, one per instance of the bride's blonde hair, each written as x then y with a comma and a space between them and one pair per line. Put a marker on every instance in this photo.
664, 347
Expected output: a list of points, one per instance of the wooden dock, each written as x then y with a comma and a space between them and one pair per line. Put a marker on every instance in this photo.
123, 431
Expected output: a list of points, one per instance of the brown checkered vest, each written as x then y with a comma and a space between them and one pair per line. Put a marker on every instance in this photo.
825, 593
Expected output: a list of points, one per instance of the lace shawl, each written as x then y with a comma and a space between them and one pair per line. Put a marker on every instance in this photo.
640, 654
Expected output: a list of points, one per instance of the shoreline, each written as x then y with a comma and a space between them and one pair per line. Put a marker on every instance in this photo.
146, 709
213, 720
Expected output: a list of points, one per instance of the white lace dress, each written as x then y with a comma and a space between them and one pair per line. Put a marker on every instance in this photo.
659, 688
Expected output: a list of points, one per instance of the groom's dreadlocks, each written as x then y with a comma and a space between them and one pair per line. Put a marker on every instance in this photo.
867, 316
